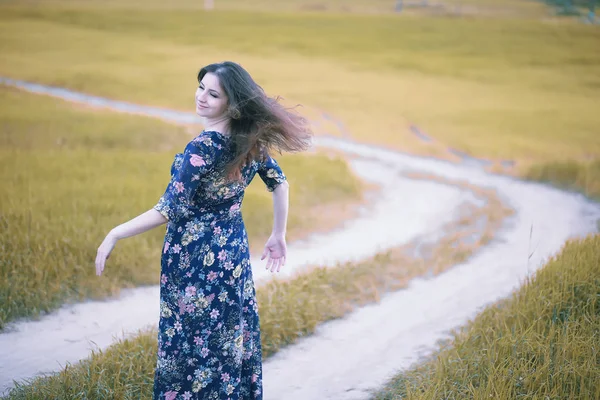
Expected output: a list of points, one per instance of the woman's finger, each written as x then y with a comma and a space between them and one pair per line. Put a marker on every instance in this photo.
276, 265
264, 253
100, 260
269, 262
98, 265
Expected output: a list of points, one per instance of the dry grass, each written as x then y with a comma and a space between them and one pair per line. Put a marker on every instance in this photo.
70, 174
493, 88
542, 343
289, 309
123, 372
487, 8
497, 88
583, 177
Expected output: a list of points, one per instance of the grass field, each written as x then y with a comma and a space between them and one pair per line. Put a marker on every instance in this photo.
583, 177
504, 80
289, 309
485, 8
499, 88
70, 174
540, 343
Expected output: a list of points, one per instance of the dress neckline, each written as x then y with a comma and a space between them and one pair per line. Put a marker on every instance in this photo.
218, 133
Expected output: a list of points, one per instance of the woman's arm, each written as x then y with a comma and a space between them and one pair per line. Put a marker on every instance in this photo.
280, 208
140, 224
276, 247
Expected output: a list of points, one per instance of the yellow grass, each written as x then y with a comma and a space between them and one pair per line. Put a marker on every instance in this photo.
70, 174
520, 88
288, 309
487, 8
541, 343
580, 176
495, 88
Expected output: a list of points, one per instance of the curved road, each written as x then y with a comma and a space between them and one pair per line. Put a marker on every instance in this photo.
346, 358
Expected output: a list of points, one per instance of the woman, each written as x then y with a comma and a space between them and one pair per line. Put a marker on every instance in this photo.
209, 337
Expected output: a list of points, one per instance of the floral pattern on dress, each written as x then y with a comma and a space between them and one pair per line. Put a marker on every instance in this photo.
209, 335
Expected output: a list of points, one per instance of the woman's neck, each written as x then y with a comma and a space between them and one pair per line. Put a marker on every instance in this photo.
220, 125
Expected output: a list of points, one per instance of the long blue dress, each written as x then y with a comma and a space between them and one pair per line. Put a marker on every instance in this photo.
209, 335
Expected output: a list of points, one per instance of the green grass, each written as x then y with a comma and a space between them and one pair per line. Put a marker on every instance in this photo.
70, 174
499, 88
124, 371
541, 343
288, 309
571, 7
583, 177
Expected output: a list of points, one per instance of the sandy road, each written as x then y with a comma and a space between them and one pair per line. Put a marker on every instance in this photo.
391, 218
350, 357
347, 358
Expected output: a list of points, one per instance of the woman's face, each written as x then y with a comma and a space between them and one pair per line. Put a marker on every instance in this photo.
211, 100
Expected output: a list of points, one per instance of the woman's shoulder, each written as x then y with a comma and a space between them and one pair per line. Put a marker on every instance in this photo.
209, 140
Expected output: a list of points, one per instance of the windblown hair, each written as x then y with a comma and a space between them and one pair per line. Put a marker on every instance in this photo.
258, 124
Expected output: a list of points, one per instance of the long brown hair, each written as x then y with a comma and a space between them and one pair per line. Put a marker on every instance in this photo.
258, 124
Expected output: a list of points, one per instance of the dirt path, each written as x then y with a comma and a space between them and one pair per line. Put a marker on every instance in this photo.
351, 357
70, 333
344, 359
391, 218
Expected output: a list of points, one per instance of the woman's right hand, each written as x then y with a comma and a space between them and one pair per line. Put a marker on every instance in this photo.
276, 251
104, 251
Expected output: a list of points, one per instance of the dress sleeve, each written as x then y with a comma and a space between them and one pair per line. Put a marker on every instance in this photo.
198, 160
271, 173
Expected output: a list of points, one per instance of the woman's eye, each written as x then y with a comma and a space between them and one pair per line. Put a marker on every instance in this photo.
213, 95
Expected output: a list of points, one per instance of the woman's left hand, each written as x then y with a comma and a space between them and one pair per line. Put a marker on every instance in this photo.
276, 250
104, 252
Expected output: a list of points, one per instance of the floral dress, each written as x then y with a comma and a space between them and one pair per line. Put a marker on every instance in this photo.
209, 336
